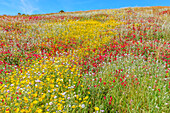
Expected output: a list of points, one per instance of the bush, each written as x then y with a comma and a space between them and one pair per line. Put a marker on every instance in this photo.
61, 11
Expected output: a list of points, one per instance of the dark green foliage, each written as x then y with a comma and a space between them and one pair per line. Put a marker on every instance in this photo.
61, 11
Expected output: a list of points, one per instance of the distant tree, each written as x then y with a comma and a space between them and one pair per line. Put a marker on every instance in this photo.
19, 13
23, 14
61, 11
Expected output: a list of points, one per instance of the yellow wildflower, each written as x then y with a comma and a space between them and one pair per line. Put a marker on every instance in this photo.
96, 108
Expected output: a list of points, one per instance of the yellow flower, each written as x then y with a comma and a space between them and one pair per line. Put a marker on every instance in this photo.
63, 102
17, 110
42, 106
35, 102
16, 104
34, 95
86, 97
43, 96
40, 99
39, 110
22, 110
48, 79
52, 85
74, 82
96, 108
73, 106
6, 111
26, 100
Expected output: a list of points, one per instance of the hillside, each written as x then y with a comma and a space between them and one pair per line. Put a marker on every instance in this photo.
110, 60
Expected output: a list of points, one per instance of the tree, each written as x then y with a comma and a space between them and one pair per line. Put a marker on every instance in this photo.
61, 11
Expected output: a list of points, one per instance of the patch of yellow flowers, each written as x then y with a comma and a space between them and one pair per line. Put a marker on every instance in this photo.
38, 88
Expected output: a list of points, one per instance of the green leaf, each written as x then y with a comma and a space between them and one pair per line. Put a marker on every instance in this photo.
60, 48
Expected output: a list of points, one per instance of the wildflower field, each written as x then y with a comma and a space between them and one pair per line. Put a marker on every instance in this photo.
112, 60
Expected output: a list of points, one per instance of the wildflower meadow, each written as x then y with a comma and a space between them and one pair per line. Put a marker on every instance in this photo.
110, 61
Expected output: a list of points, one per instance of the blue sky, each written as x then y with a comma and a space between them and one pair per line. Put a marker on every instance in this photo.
12, 7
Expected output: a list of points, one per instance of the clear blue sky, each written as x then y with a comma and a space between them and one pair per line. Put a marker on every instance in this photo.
12, 7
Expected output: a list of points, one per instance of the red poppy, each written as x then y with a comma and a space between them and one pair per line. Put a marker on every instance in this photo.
111, 98
104, 97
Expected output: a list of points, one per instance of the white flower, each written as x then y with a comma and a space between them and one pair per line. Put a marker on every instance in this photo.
157, 107
50, 103
68, 98
37, 80
83, 106
54, 89
101, 110
55, 97
166, 103
64, 93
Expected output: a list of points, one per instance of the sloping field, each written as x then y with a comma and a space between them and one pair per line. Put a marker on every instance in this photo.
111, 60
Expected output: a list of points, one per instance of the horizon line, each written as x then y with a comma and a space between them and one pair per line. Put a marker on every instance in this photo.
85, 10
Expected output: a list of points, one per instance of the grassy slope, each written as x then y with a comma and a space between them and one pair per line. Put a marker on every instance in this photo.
103, 60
